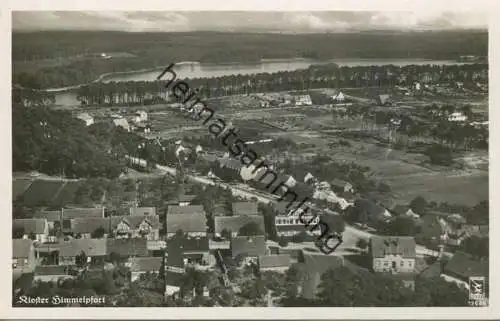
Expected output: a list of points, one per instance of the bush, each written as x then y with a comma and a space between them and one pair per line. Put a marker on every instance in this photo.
283, 242
440, 155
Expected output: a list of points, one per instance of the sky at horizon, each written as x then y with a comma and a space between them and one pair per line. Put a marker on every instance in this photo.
264, 21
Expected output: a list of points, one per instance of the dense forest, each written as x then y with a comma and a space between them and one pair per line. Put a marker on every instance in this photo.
63, 58
55, 143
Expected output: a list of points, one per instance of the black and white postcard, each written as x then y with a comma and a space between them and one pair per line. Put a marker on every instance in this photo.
254, 158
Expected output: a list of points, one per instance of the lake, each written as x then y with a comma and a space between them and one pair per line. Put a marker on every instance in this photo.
203, 70
197, 70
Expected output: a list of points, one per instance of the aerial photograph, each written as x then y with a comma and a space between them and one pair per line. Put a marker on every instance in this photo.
250, 159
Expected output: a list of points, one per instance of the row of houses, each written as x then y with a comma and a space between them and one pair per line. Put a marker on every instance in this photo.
393, 255
136, 122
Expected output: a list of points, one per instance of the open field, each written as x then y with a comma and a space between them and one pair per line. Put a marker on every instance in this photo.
461, 188
41, 192
67, 194
19, 186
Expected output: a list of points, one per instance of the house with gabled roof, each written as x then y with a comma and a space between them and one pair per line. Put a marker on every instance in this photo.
94, 249
233, 224
23, 255
119, 226
85, 227
194, 225
147, 227
190, 219
142, 265
185, 210
393, 254
249, 248
31, 228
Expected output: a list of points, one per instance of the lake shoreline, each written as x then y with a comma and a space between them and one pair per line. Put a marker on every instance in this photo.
341, 62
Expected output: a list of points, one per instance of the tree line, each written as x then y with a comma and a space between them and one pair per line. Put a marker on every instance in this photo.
318, 76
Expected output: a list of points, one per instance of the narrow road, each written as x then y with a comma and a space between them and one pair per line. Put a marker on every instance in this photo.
268, 198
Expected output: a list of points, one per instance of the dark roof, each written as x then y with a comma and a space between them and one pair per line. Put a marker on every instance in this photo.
189, 244
69, 213
142, 211
313, 267
185, 210
128, 247
187, 223
51, 270
88, 225
21, 248
145, 264
174, 278
464, 265
91, 247
50, 216
234, 223
245, 208
270, 261
381, 246
31, 225
175, 255
248, 245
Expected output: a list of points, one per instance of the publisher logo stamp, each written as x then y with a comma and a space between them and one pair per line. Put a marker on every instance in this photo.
476, 288
477, 291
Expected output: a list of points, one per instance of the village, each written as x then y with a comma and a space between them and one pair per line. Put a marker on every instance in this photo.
190, 223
